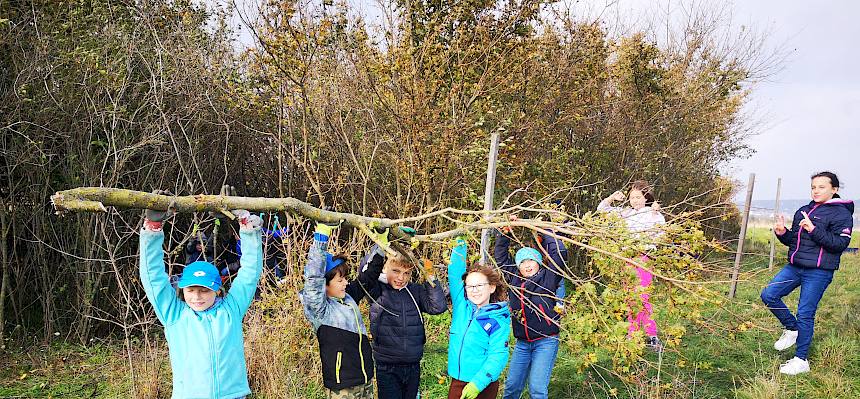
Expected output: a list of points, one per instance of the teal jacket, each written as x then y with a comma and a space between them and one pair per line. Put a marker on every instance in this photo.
207, 351
478, 345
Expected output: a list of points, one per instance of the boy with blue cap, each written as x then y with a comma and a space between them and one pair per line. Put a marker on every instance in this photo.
330, 303
202, 327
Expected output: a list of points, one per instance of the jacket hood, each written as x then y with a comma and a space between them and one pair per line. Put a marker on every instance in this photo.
848, 204
495, 309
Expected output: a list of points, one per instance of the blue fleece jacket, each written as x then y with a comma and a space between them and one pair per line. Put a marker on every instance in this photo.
478, 344
207, 349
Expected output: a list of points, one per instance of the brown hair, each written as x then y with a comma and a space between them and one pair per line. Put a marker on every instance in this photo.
399, 260
493, 277
645, 188
834, 181
341, 269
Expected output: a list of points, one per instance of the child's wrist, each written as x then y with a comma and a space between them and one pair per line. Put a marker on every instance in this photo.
152, 226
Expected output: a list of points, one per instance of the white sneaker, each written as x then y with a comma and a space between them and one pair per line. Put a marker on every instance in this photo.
786, 341
794, 366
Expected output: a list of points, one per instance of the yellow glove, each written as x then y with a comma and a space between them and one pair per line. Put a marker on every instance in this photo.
470, 391
325, 228
380, 237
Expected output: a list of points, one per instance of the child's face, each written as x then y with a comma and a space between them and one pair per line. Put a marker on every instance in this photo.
478, 288
336, 287
199, 298
822, 189
637, 199
398, 276
529, 268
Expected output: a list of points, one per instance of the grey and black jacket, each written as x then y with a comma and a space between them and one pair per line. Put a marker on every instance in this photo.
345, 351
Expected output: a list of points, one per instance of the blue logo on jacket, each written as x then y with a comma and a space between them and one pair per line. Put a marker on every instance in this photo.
488, 324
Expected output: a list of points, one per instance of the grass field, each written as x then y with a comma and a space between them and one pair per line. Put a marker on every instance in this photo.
729, 356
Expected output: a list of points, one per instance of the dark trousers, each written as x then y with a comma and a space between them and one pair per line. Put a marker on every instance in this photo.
456, 390
398, 381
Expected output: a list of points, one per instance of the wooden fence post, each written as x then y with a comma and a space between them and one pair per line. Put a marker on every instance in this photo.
742, 237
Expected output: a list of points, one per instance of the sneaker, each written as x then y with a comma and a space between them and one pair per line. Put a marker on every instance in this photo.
786, 341
794, 366
654, 344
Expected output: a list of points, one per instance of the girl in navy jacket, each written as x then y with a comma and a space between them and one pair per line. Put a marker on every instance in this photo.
819, 232
535, 322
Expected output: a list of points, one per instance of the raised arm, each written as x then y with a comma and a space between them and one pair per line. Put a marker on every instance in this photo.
367, 281
156, 283
433, 297
313, 294
456, 268
557, 252
606, 204
502, 256
242, 291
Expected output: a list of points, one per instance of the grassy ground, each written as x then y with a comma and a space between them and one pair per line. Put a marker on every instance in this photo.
730, 356
725, 358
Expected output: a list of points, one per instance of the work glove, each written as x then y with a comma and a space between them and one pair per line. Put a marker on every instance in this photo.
429, 270
556, 217
326, 228
154, 215
380, 236
153, 219
247, 221
470, 391
507, 230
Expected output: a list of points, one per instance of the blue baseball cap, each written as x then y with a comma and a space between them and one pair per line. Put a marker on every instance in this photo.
527, 253
331, 262
200, 274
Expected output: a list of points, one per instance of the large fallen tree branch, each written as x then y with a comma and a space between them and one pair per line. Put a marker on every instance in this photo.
95, 199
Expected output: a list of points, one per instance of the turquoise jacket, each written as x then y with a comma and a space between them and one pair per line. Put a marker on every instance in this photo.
478, 345
207, 350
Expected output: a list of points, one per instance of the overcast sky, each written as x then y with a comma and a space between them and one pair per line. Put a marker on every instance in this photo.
809, 109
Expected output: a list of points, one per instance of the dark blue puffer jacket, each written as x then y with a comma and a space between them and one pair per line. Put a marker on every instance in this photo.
822, 248
532, 299
395, 316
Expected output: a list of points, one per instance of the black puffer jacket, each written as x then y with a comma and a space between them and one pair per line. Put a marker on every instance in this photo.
823, 247
532, 299
396, 324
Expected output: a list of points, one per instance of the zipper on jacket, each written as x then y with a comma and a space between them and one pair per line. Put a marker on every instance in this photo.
462, 342
337, 367
358, 330
523, 310
545, 316
799, 231
213, 358
820, 254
